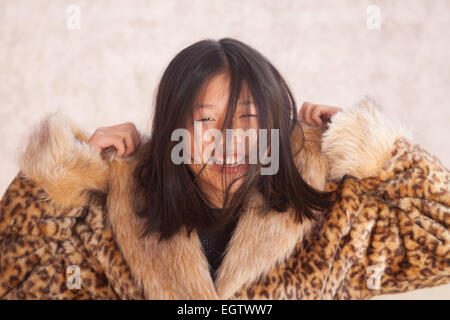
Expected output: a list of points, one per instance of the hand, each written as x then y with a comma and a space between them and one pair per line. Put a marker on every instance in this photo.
124, 137
316, 114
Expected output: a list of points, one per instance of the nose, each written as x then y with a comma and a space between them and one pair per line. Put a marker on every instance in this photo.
232, 150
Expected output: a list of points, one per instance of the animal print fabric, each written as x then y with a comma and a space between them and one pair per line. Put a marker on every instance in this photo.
38, 244
384, 234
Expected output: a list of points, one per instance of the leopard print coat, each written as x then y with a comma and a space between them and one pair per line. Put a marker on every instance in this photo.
67, 230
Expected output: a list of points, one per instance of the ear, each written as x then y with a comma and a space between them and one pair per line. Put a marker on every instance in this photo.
59, 159
359, 140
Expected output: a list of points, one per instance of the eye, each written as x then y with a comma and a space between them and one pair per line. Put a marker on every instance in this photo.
248, 115
205, 119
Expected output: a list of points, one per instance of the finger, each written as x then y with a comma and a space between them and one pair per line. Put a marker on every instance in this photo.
302, 110
328, 112
128, 139
329, 109
326, 117
123, 125
136, 138
308, 112
315, 116
127, 135
132, 128
114, 140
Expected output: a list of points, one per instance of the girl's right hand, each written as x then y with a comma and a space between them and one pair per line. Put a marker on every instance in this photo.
124, 137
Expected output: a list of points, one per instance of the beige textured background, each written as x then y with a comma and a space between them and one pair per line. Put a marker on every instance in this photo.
106, 72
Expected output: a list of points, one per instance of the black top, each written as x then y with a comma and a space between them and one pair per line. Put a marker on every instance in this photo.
215, 242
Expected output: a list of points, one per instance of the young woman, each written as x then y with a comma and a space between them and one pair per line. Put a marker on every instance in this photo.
340, 205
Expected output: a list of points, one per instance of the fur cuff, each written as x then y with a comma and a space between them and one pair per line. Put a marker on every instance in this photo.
58, 158
359, 140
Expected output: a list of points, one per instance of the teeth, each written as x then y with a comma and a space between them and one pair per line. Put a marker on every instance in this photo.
229, 161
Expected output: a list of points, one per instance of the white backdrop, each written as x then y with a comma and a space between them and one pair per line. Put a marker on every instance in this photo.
106, 71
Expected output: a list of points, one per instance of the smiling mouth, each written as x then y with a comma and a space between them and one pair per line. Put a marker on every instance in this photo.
234, 167
230, 160
229, 168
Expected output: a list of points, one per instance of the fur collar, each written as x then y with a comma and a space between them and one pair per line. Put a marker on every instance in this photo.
58, 157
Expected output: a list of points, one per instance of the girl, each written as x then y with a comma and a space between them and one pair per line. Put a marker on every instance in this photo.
337, 206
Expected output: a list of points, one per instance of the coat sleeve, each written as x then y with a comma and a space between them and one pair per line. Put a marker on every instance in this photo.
54, 239
36, 245
392, 212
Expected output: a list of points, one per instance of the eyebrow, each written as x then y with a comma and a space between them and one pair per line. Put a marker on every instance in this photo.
201, 106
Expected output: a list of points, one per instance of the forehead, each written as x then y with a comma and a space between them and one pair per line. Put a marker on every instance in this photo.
217, 91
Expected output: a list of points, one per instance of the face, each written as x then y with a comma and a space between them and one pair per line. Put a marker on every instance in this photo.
225, 161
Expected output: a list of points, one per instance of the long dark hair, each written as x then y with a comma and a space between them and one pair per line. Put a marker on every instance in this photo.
166, 194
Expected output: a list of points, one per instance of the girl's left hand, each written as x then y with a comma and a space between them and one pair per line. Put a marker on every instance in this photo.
317, 114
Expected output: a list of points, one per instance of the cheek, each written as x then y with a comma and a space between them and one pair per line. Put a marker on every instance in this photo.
192, 146
195, 168
199, 147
